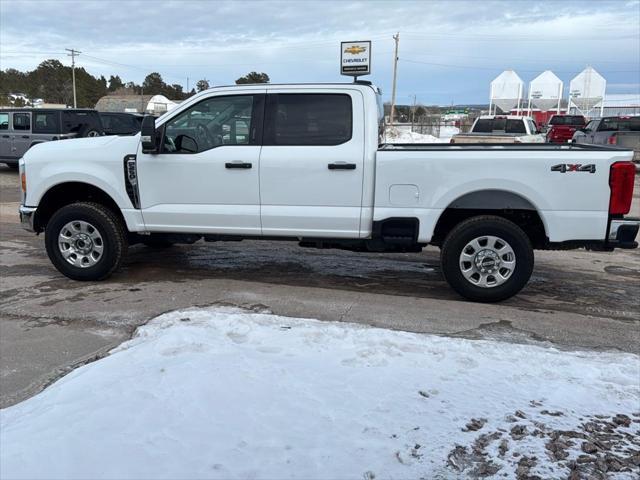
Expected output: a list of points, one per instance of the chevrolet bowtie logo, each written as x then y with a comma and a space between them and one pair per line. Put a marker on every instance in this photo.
355, 50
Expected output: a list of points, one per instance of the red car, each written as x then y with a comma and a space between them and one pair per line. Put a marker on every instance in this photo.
562, 127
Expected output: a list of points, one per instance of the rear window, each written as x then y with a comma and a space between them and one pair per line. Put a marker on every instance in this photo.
614, 124
308, 119
503, 125
74, 122
45, 122
567, 120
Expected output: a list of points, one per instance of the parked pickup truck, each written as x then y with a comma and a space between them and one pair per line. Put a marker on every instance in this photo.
305, 163
562, 127
619, 131
501, 129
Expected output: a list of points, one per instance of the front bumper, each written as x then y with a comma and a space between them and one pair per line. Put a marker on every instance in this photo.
27, 216
623, 232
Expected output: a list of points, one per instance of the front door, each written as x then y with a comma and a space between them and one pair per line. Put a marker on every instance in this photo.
311, 165
205, 179
5, 136
21, 135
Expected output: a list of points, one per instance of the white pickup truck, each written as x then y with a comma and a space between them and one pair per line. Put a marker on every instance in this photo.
307, 162
501, 129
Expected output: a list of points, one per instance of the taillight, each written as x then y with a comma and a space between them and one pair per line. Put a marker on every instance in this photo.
621, 177
613, 139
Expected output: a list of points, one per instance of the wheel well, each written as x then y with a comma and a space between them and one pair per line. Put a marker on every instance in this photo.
68, 193
528, 220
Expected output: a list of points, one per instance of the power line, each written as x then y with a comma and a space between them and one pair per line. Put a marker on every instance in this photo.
474, 67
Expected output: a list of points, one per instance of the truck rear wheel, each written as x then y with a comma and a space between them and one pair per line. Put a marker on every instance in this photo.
85, 241
487, 259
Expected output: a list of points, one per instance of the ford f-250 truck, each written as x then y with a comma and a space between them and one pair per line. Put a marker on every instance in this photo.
307, 162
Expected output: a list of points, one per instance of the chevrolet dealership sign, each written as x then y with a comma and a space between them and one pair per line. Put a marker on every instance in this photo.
355, 58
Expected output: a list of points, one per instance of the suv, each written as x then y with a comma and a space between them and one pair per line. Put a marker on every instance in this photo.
562, 127
22, 128
115, 123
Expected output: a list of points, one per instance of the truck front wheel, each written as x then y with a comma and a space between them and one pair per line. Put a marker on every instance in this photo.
85, 241
487, 258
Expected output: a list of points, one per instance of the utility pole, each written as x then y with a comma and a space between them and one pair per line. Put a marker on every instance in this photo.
413, 112
396, 37
73, 71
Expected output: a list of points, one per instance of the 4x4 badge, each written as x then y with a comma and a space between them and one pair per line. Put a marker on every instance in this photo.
573, 167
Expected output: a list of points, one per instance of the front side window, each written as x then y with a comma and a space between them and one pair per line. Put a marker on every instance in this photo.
308, 119
4, 121
45, 122
212, 123
21, 121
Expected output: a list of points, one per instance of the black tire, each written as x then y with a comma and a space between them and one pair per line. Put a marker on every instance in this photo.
476, 227
88, 131
110, 228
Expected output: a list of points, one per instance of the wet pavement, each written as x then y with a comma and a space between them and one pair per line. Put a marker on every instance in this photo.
50, 324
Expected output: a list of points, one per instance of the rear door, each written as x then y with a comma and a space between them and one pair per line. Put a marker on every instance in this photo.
45, 126
311, 164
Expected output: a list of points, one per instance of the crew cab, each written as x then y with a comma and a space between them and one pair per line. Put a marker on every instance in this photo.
309, 163
501, 129
562, 127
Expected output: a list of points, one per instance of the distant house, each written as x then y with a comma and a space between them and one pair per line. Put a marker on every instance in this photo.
153, 104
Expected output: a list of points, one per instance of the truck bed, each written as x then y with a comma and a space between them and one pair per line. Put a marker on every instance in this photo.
501, 146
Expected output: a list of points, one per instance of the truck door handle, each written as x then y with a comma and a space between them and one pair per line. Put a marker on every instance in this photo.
342, 166
237, 165
25, 136
6, 136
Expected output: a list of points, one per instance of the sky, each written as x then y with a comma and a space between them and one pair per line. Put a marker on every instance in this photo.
449, 51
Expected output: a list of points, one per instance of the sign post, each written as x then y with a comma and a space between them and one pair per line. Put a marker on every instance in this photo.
355, 58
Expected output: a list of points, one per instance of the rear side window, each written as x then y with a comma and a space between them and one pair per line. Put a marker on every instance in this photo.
74, 122
308, 119
4, 121
45, 122
21, 121
516, 126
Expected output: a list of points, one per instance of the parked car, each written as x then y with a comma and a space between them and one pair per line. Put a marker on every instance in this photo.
501, 129
310, 168
562, 127
22, 128
616, 131
115, 123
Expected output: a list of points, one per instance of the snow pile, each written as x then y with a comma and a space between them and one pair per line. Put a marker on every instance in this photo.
448, 131
222, 393
405, 135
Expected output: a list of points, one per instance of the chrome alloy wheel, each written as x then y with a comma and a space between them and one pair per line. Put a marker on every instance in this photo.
80, 244
487, 261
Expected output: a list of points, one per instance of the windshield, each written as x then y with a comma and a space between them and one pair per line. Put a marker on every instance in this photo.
567, 120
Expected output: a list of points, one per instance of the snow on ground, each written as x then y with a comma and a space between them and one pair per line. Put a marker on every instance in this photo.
227, 393
403, 134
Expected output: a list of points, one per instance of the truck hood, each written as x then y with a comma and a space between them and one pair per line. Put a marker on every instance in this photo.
75, 147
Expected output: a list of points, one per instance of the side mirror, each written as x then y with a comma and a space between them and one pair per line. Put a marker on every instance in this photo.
148, 136
185, 143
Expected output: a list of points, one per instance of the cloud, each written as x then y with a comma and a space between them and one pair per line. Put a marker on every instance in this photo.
448, 50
